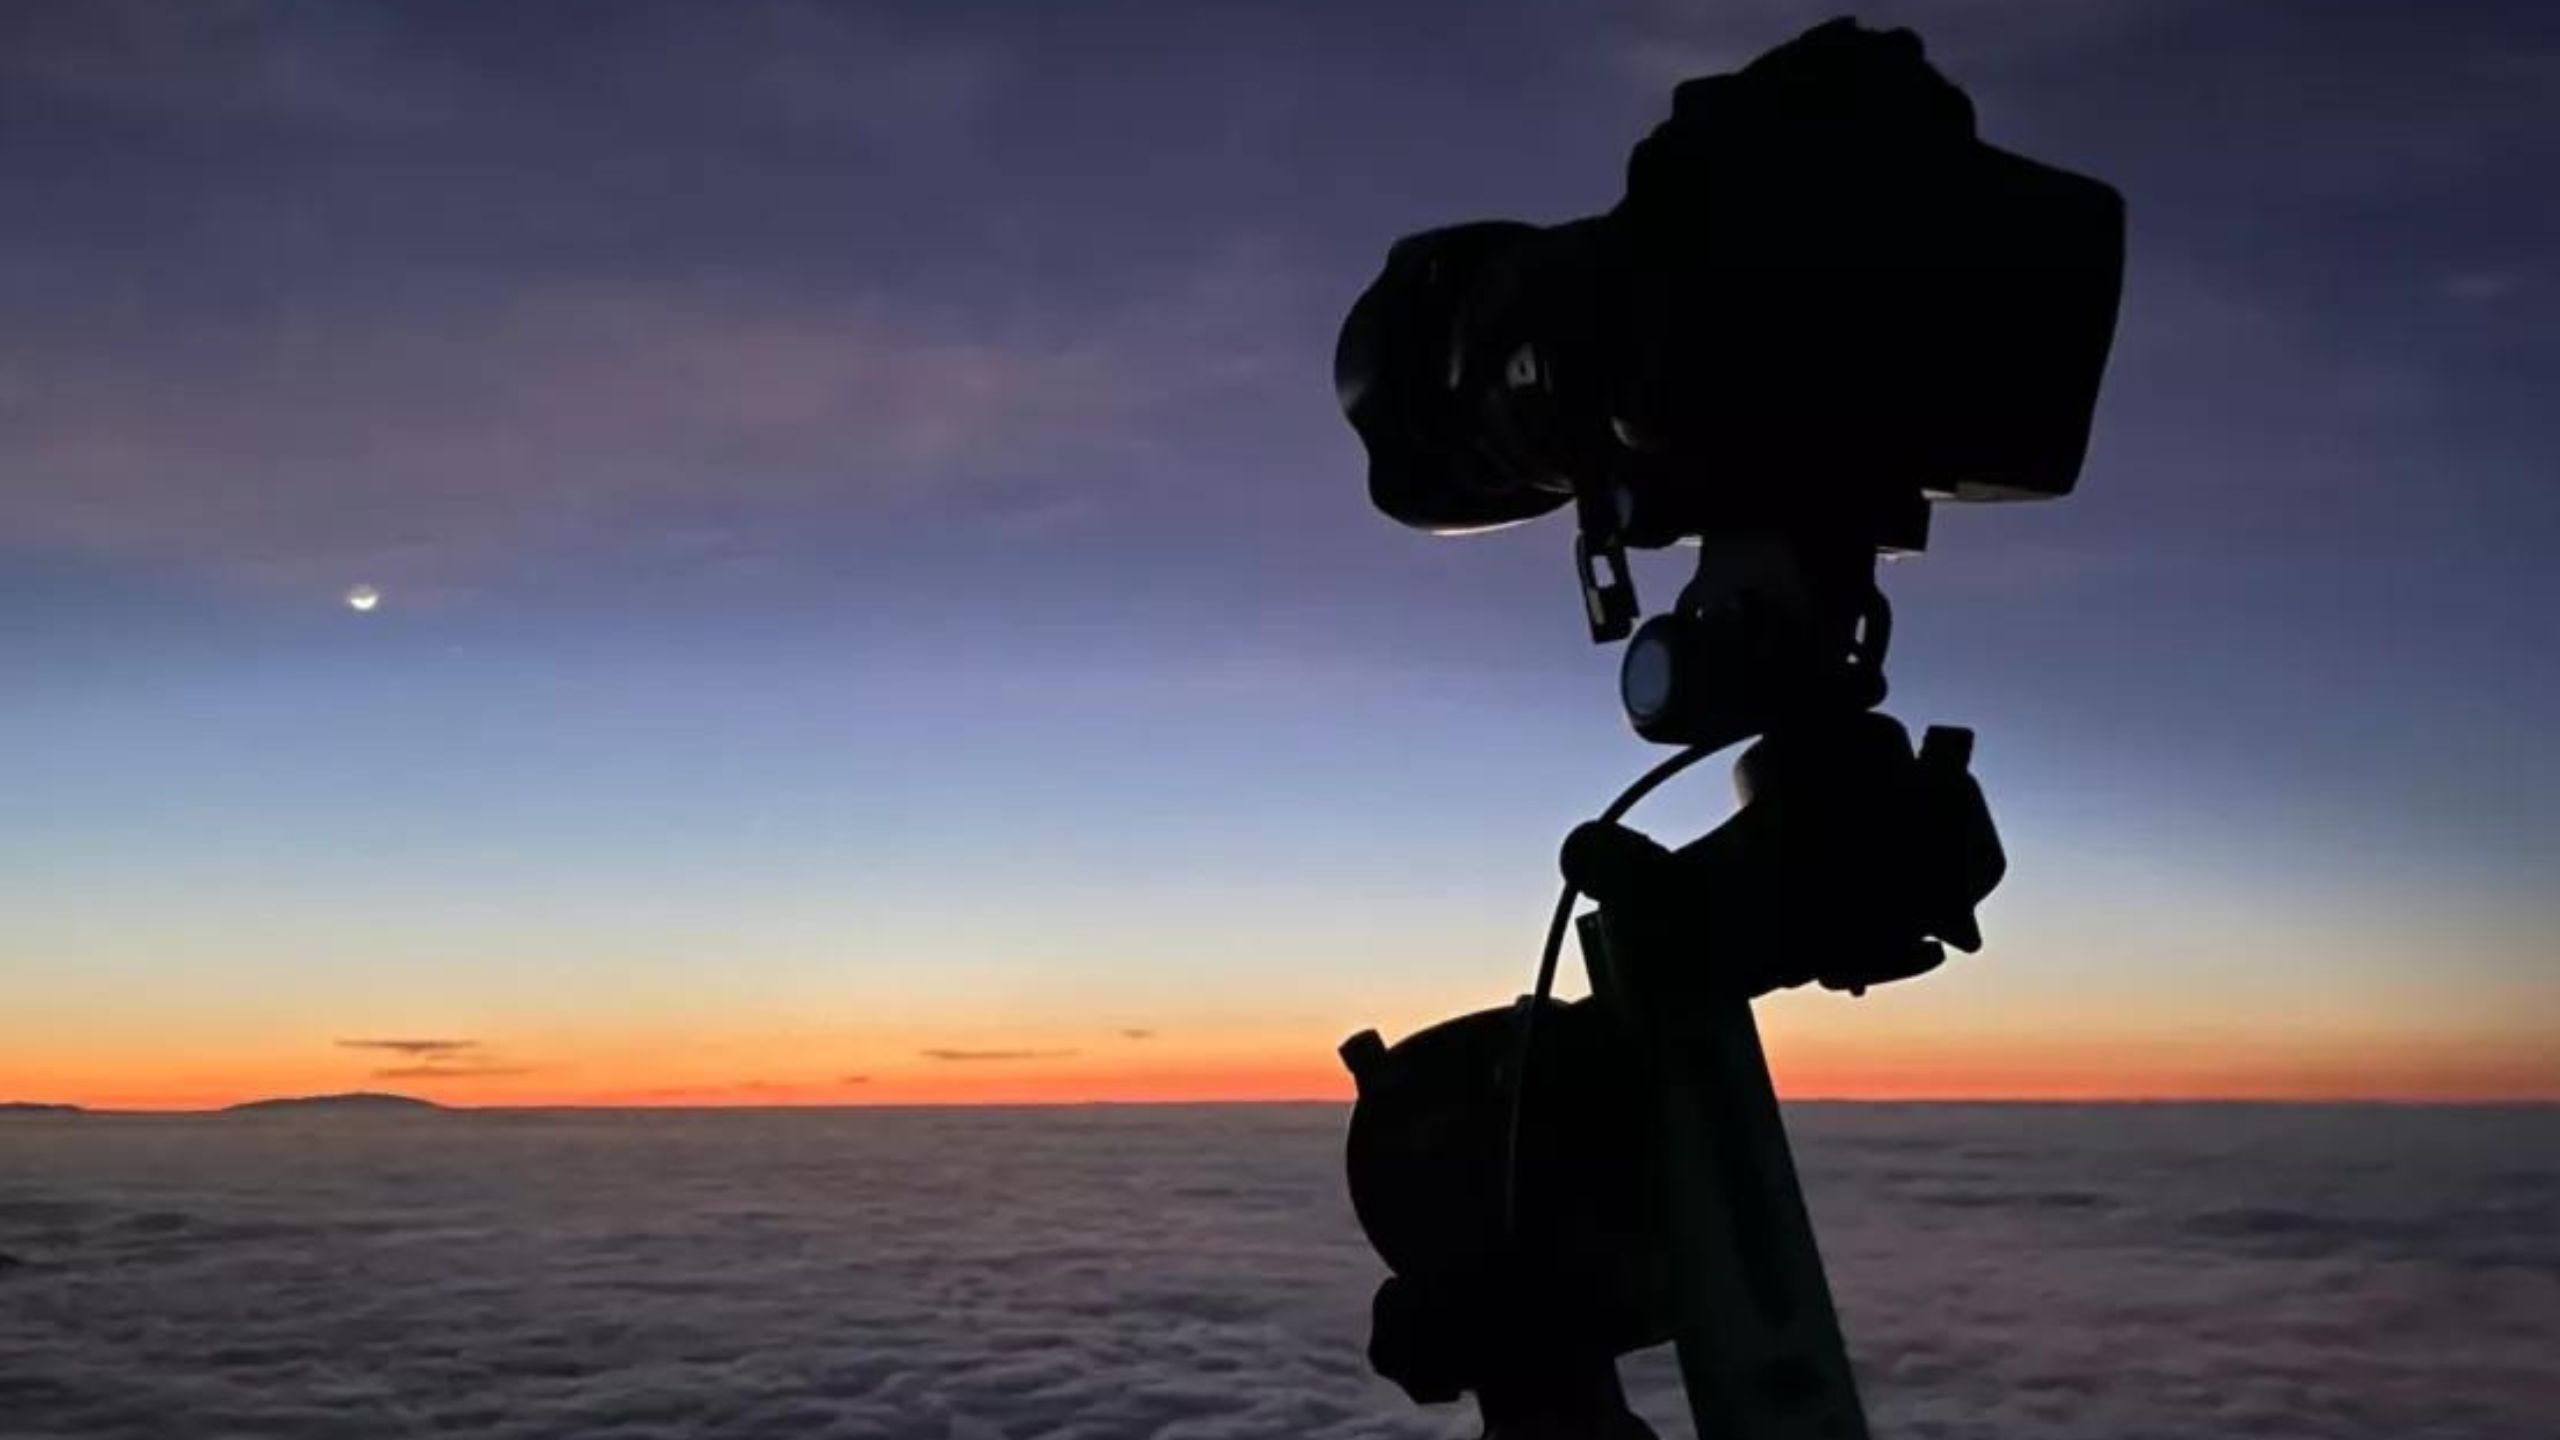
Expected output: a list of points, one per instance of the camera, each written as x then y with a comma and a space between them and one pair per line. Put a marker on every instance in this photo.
1821, 304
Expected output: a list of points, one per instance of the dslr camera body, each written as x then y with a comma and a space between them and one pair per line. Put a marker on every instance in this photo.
1822, 303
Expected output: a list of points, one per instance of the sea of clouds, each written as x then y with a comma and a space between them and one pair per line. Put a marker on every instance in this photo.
1195, 1274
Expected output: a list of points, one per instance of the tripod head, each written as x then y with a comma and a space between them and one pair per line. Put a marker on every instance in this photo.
1556, 1184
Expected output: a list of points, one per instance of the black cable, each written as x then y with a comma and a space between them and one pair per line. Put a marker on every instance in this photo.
1645, 784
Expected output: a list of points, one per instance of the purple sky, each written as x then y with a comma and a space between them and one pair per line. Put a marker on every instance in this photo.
861, 515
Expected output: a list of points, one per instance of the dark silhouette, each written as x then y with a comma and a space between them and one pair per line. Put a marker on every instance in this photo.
33, 1107
355, 1102
1822, 304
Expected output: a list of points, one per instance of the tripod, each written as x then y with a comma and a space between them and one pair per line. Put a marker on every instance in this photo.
1555, 1184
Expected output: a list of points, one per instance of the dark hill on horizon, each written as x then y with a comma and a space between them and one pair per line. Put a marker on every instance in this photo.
39, 1107
366, 1102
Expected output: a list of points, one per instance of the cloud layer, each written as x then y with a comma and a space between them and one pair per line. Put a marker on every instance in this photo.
1194, 1274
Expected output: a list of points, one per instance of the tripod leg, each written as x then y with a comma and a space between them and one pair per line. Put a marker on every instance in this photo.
1759, 1345
1585, 1403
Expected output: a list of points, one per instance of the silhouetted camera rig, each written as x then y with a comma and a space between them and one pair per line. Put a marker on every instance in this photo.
1821, 305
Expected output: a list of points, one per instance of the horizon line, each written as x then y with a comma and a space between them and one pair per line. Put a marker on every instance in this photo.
38, 1108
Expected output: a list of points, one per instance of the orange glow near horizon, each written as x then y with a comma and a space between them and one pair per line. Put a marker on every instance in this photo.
1814, 1065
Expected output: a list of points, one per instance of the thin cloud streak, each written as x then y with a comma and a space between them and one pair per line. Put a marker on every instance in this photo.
450, 1072
412, 1047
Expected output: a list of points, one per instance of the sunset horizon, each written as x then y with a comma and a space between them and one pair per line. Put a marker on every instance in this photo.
2377, 1069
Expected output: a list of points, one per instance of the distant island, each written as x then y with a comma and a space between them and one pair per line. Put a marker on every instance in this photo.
34, 1107
354, 1101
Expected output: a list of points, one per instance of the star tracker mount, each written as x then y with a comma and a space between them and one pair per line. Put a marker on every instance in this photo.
1822, 305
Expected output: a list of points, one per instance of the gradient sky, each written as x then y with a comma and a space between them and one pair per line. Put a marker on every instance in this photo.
879, 603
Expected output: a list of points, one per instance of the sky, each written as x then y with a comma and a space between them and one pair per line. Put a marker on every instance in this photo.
878, 603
